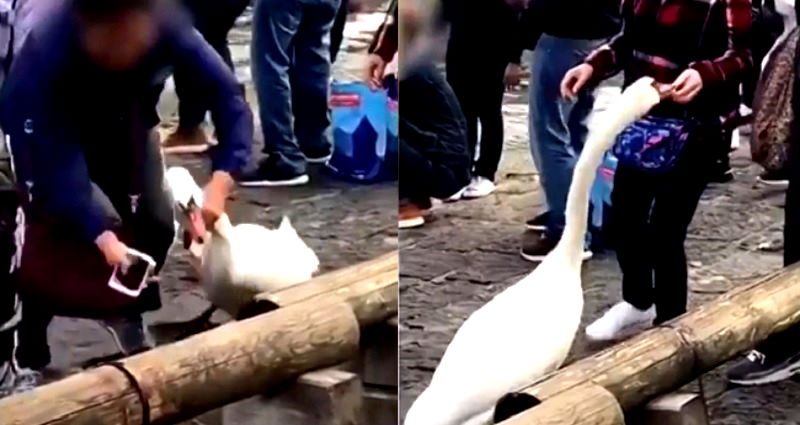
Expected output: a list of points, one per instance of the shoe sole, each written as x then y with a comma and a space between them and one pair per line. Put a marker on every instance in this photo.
476, 195
411, 223
773, 183
539, 258
177, 150
536, 227
322, 160
779, 375
297, 181
624, 333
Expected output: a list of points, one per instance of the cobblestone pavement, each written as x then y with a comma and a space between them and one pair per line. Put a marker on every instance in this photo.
344, 223
469, 253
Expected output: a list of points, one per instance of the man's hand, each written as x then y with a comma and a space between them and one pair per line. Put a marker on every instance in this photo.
575, 79
113, 250
376, 67
513, 76
687, 86
215, 195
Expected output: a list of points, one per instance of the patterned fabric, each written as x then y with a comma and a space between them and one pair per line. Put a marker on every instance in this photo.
773, 114
661, 38
652, 144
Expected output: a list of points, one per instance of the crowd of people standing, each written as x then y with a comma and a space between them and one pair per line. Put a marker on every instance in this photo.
705, 56
81, 164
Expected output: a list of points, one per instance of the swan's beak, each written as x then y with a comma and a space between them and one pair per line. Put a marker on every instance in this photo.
664, 90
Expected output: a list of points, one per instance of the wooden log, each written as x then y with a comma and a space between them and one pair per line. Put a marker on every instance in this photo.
585, 404
667, 357
209, 370
334, 280
373, 297
321, 397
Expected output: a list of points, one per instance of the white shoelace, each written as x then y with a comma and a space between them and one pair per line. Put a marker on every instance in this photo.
756, 357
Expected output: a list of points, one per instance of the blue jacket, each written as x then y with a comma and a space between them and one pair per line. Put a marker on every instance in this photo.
56, 106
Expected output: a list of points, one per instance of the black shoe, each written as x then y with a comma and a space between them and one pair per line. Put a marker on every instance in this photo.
536, 249
774, 178
538, 223
759, 369
271, 174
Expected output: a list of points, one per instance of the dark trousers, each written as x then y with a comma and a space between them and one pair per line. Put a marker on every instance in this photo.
479, 89
213, 20
650, 219
337, 32
433, 150
786, 343
8, 293
154, 213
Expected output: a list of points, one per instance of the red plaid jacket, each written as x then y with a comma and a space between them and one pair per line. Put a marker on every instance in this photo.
661, 38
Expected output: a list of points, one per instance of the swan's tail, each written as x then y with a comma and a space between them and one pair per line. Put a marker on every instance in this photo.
634, 103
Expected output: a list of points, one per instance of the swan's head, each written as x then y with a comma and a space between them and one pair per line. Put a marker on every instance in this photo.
188, 198
186, 193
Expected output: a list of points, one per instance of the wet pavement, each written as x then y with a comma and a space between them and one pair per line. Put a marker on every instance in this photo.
343, 223
452, 266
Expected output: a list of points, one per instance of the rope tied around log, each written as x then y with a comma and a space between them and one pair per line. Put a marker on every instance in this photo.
136, 387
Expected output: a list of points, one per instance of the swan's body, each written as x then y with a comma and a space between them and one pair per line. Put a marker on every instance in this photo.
527, 330
240, 261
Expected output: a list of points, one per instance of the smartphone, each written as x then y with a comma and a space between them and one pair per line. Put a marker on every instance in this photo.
130, 278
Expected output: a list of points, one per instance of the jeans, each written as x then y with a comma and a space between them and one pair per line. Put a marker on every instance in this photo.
213, 20
557, 126
650, 218
291, 69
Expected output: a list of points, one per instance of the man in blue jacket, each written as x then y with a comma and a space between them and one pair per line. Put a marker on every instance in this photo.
78, 109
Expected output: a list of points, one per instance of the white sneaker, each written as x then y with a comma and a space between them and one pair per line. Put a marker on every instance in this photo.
619, 318
480, 187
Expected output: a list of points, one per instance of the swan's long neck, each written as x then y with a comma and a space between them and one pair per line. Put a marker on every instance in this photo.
632, 104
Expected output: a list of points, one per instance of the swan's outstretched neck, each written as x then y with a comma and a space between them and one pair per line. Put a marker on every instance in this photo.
634, 102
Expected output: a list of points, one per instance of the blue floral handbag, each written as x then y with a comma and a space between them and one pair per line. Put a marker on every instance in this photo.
653, 144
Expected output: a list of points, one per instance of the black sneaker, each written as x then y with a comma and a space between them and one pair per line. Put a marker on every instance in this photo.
270, 174
538, 223
759, 369
774, 178
535, 249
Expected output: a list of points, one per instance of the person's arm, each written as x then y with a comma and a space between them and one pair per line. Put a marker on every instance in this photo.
385, 42
233, 120
737, 59
610, 58
45, 145
230, 112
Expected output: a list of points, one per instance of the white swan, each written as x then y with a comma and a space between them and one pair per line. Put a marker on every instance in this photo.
527, 330
240, 261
